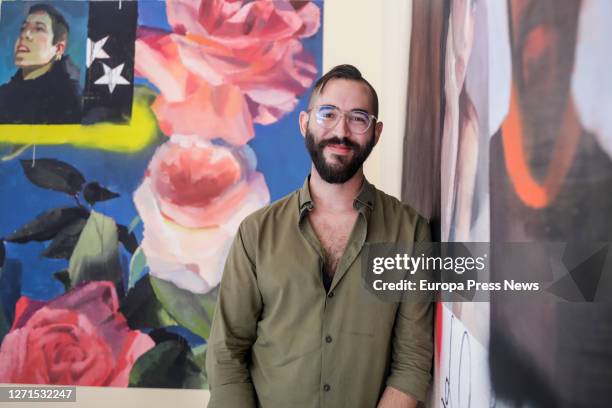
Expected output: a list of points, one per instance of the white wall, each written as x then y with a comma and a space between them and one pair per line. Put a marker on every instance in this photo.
374, 36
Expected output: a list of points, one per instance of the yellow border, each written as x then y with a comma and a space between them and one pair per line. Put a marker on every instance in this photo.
132, 137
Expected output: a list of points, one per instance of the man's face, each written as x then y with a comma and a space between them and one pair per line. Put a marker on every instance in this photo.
34, 46
338, 153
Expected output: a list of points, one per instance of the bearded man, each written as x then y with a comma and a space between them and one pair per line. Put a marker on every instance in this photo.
294, 324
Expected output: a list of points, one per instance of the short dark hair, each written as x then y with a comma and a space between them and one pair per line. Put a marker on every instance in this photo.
59, 25
345, 71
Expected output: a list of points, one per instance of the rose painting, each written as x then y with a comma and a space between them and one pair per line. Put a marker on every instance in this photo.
111, 252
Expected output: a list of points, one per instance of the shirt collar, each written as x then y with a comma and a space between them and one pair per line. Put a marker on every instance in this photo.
365, 198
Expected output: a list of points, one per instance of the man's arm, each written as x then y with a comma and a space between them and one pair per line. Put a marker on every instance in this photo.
412, 355
234, 329
393, 398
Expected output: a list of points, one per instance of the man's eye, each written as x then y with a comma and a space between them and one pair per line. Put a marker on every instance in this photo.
359, 119
327, 114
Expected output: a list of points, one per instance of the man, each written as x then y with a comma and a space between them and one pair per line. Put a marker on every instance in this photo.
45, 88
294, 324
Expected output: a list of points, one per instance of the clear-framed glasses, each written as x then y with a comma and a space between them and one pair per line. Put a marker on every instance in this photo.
328, 116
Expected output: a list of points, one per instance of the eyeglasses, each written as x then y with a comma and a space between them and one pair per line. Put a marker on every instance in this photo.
328, 116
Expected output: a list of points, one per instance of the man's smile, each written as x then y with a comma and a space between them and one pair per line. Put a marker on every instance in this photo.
338, 148
22, 48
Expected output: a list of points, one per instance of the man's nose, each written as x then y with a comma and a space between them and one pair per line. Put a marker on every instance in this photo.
26, 33
341, 128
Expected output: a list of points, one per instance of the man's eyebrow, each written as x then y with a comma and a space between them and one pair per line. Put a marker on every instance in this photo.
352, 110
40, 23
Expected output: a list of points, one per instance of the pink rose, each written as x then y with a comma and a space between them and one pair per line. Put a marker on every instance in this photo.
191, 202
79, 338
228, 64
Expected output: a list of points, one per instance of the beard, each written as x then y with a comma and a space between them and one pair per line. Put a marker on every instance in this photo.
346, 166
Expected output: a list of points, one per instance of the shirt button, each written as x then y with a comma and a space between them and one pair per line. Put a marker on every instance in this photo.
328, 339
326, 387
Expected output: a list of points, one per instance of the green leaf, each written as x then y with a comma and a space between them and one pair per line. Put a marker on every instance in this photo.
160, 367
64, 278
192, 310
142, 309
47, 225
169, 364
134, 223
198, 357
94, 193
137, 265
96, 255
53, 174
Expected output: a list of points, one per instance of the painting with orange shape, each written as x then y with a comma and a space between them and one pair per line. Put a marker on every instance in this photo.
551, 181
530, 191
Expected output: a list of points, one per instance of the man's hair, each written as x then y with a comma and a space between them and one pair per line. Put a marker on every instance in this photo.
344, 71
59, 25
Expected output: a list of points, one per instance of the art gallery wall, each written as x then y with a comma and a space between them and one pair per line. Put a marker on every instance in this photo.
375, 37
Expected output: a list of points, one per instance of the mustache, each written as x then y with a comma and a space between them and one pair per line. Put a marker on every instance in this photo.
337, 141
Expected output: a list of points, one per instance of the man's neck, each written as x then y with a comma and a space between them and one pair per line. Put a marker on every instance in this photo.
335, 197
29, 73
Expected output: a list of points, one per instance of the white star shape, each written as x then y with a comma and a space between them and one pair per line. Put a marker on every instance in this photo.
95, 50
112, 77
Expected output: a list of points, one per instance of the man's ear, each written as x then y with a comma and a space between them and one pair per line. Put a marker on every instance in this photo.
377, 131
61, 48
303, 122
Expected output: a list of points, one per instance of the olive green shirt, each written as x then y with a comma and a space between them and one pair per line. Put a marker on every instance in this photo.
278, 339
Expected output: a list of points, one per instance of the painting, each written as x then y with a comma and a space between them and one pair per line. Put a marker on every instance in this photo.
56, 66
524, 157
114, 229
552, 181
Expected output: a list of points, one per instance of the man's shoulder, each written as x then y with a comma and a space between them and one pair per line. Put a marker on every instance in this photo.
394, 207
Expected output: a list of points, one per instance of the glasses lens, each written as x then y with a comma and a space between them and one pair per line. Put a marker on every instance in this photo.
359, 122
327, 116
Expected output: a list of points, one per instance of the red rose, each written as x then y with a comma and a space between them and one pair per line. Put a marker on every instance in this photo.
227, 65
79, 338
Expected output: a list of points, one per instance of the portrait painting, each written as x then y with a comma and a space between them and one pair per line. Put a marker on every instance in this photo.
66, 62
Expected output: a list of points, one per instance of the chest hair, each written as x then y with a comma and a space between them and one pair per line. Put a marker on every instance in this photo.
333, 233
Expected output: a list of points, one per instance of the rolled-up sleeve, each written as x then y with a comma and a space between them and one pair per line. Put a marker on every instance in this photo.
413, 340
234, 329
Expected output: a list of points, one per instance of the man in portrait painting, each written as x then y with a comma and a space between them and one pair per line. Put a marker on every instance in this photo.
45, 88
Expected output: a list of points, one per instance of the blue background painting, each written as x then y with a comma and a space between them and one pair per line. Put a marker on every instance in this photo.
281, 154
